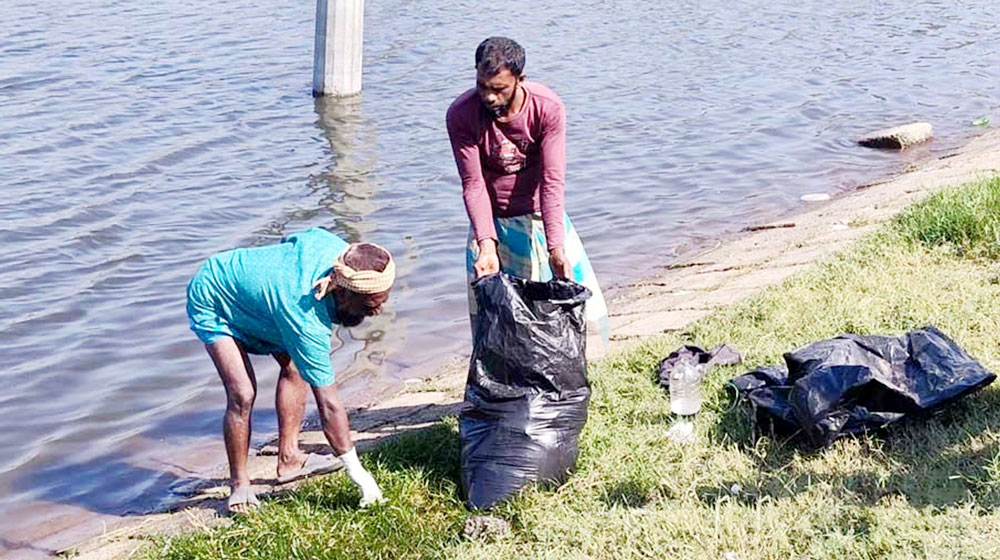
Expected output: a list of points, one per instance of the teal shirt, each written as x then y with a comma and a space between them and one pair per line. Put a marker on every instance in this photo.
263, 297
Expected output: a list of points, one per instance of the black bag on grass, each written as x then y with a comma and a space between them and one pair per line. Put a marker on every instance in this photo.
852, 383
527, 392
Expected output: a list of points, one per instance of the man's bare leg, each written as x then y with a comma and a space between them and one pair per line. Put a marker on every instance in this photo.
236, 372
290, 404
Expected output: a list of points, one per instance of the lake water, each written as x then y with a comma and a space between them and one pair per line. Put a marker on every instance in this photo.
138, 138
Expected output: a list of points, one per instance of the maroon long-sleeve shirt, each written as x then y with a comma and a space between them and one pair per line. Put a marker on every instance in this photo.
514, 168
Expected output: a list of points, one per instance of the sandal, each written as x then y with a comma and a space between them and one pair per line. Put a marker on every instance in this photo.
315, 464
242, 500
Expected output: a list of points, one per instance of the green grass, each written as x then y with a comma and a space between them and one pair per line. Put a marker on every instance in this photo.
929, 488
966, 220
321, 520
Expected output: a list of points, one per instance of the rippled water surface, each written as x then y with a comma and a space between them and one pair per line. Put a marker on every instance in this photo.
137, 138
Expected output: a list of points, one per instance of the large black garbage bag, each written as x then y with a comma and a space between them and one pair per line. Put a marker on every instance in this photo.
527, 391
854, 383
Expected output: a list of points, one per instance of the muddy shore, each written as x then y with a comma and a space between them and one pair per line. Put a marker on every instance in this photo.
670, 298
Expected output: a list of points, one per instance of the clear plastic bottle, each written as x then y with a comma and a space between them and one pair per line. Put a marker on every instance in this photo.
685, 389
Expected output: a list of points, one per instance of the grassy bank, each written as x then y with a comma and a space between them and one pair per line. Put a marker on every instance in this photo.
928, 489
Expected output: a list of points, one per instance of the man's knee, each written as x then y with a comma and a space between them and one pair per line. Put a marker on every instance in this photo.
328, 400
240, 399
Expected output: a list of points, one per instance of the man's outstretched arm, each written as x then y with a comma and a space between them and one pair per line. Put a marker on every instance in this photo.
337, 430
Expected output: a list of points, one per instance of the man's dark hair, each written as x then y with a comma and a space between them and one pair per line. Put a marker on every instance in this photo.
365, 256
496, 53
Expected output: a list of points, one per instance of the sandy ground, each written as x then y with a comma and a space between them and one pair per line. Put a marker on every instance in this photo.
668, 300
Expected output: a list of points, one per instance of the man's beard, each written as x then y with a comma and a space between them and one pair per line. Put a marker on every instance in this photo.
350, 320
500, 111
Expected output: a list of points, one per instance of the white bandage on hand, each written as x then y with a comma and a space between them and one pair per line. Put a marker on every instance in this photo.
370, 492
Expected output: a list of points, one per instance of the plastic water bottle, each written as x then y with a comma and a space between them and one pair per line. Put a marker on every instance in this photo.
685, 389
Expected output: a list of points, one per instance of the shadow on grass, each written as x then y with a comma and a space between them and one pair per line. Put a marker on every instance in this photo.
627, 494
435, 450
430, 454
940, 460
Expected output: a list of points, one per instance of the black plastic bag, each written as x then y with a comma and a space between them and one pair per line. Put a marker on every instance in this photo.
852, 383
719, 355
527, 391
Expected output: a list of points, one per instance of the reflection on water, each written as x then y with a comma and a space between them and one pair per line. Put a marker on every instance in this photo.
348, 185
347, 190
138, 141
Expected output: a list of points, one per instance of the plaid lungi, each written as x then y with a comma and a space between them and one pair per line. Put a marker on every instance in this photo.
523, 253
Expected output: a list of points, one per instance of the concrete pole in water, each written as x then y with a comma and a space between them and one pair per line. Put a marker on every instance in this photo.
337, 55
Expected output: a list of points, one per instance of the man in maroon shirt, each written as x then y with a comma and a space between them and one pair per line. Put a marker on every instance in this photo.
509, 140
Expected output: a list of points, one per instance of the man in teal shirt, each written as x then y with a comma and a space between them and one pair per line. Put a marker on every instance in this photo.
283, 300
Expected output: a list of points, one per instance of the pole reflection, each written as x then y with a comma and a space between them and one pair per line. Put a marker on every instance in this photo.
348, 184
348, 187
